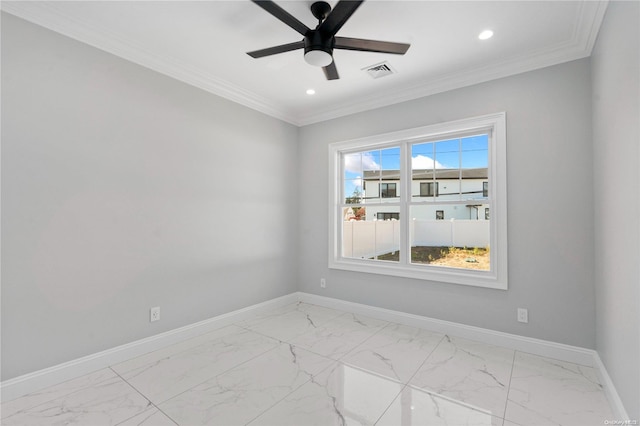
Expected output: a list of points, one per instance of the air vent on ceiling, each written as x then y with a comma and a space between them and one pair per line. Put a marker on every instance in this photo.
379, 70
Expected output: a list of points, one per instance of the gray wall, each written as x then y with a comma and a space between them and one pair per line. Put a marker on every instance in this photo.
616, 135
124, 189
550, 207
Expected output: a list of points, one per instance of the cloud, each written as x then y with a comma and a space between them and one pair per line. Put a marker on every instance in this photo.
356, 163
423, 162
352, 185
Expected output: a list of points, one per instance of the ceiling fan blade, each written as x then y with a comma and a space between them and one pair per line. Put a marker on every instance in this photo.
276, 49
282, 15
338, 16
371, 45
331, 72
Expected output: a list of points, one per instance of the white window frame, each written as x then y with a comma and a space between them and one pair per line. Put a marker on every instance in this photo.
495, 126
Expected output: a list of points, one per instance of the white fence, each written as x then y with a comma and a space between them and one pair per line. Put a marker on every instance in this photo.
366, 239
450, 233
369, 238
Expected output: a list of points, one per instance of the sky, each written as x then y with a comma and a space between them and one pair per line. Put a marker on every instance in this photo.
469, 152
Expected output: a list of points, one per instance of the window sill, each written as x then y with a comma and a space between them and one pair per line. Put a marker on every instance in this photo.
473, 278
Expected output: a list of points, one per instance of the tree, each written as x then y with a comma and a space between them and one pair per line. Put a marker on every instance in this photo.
355, 198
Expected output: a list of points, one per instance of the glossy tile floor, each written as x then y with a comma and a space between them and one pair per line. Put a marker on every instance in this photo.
309, 365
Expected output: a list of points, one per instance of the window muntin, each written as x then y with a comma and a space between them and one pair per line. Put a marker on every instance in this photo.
467, 164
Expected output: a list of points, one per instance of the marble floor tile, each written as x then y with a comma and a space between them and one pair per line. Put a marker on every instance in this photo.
320, 312
244, 392
290, 321
340, 395
307, 365
415, 407
549, 392
56, 392
151, 417
470, 372
170, 376
107, 403
396, 351
173, 350
340, 335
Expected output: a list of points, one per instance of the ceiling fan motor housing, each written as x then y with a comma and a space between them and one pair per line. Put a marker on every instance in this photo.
318, 48
315, 40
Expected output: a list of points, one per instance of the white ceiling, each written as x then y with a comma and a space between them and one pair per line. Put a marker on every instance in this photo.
203, 43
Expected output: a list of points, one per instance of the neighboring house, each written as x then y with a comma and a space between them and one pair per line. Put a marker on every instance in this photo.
381, 189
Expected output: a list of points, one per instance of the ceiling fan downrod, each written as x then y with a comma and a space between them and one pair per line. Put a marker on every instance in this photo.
320, 10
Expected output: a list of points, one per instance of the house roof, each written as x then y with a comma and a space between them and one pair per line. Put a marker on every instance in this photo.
428, 174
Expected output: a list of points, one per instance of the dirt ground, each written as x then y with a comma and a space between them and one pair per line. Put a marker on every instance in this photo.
453, 257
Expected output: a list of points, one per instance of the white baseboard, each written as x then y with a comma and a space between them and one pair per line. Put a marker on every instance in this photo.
525, 344
41, 379
619, 412
574, 354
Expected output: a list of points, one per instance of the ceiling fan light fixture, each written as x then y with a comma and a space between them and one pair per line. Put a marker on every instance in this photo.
318, 58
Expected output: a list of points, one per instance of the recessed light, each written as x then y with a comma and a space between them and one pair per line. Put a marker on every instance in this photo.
485, 35
311, 92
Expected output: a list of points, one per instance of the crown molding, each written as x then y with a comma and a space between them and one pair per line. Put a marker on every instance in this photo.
47, 15
579, 46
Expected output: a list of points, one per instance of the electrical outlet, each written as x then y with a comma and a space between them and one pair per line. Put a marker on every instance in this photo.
154, 314
523, 315
323, 283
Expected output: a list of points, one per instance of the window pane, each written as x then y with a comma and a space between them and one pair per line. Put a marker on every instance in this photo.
381, 175
353, 191
422, 156
475, 151
475, 163
356, 165
450, 235
422, 167
364, 237
390, 158
448, 154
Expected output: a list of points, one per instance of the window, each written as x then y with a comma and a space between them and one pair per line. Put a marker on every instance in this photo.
428, 189
387, 190
418, 177
388, 216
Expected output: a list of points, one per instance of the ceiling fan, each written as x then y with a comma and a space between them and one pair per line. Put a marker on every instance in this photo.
319, 43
